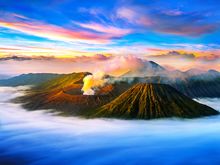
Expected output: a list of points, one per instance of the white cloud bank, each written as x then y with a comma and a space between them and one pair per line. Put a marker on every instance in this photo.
40, 138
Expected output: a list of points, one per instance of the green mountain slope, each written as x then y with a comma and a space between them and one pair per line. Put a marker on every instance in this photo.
194, 87
62, 81
64, 94
28, 79
148, 101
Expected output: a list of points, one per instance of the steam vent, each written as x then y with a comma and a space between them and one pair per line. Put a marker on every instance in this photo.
149, 101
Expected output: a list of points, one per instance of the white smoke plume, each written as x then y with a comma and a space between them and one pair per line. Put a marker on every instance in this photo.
92, 82
116, 67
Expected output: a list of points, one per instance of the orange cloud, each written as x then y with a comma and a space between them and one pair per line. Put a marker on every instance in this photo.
209, 55
113, 65
8, 49
29, 51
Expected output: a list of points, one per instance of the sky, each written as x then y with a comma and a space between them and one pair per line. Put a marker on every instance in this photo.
178, 34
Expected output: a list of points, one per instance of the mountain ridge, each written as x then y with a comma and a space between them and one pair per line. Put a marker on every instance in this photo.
28, 79
149, 101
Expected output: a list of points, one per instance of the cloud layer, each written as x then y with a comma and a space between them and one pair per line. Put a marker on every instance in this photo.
113, 65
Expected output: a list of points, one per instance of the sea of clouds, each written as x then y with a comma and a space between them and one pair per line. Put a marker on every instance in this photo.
39, 137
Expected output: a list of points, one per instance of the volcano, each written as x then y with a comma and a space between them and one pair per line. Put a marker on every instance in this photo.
64, 94
149, 101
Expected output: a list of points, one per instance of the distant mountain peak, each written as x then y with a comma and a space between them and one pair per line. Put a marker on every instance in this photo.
194, 71
149, 68
213, 71
157, 65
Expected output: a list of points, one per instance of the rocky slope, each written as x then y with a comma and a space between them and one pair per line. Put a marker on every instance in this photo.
64, 95
149, 101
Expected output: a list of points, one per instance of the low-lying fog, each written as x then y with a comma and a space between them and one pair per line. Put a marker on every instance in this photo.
41, 138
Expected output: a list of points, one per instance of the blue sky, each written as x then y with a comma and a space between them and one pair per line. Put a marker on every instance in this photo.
69, 28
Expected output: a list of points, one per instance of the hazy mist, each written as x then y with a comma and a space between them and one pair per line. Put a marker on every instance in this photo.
39, 137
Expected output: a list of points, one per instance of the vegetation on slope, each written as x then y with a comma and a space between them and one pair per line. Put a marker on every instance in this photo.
148, 101
64, 94
193, 87
28, 79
